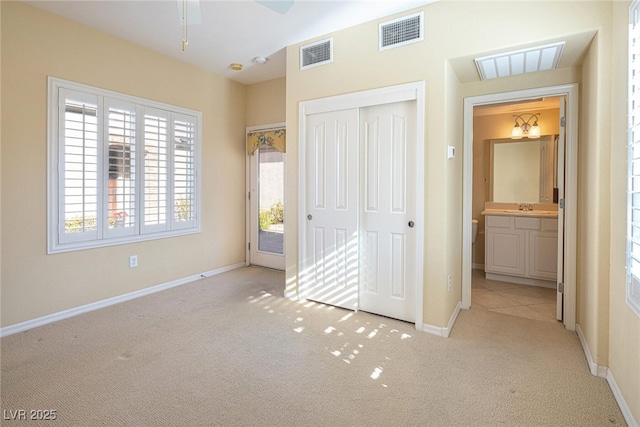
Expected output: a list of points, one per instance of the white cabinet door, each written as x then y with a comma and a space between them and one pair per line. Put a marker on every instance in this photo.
543, 254
505, 251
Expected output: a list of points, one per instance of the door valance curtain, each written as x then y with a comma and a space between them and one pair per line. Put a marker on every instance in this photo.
275, 138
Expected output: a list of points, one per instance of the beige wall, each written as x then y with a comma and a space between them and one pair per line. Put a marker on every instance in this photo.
453, 192
624, 325
593, 203
266, 102
36, 44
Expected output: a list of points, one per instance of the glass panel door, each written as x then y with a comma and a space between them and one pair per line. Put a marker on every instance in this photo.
267, 208
271, 195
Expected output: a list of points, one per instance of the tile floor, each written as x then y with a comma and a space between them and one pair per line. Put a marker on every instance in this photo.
532, 302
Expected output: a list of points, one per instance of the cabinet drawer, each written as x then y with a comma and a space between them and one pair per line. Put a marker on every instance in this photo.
498, 221
528, 223
549, 224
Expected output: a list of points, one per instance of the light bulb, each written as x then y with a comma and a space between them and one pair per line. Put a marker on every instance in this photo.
516, 132
534, 132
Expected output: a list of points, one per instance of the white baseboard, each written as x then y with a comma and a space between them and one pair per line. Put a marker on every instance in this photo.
440, 331
605, 372
291, 294
595, 369
624, 408
530, 281
55, 317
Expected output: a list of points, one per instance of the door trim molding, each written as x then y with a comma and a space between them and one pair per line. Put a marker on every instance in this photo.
571, 187
405, 92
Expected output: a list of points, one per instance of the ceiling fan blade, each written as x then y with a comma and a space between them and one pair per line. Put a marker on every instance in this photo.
279, 6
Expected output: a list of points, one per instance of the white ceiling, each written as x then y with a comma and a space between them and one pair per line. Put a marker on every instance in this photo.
232, 31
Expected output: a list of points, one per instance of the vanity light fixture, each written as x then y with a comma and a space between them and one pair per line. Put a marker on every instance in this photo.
522, 127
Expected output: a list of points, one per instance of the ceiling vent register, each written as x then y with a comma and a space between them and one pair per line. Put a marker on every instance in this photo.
318, 53
401, 31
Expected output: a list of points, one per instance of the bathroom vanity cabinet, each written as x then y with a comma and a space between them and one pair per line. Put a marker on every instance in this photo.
521, 249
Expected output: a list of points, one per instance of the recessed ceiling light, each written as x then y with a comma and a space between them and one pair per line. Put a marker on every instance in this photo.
260, 60
540, 58
236, 67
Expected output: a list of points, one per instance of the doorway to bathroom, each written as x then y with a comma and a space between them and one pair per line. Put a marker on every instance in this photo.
527, 104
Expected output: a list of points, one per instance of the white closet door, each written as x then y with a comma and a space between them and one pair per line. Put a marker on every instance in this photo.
330, 256
388, 215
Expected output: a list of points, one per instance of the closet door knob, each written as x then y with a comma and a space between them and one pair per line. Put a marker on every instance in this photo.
309, 217
411, 224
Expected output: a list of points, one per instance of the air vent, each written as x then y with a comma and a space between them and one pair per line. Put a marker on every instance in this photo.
401, 31
318, 53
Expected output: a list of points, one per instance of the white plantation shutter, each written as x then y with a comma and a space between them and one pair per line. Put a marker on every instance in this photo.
120, 155
156, 164
120, 169
79, 164
633, 160
184, 171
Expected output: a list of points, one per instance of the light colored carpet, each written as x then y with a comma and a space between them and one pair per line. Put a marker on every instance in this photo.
230, 350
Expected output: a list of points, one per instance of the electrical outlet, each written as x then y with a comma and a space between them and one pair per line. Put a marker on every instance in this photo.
133, 261
449, 283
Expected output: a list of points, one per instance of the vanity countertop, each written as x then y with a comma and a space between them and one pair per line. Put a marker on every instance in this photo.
536, 213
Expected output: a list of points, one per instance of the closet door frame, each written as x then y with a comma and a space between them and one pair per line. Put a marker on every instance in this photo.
392, 94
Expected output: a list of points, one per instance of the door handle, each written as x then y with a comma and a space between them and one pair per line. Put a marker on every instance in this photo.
411, 224
309, 217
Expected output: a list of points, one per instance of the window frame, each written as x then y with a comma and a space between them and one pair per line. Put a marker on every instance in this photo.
104, 235
633, 280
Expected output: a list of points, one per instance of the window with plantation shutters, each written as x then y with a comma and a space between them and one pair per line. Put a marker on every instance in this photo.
120, 191
155, 170
633, 161
121, 169
79, 179
184, 171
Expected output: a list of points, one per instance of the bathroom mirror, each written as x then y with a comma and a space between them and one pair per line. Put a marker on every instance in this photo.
521, 170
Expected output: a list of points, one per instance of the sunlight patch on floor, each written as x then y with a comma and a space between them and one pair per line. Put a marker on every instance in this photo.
376, 373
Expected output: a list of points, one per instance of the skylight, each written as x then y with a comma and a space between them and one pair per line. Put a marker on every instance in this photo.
540, 58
